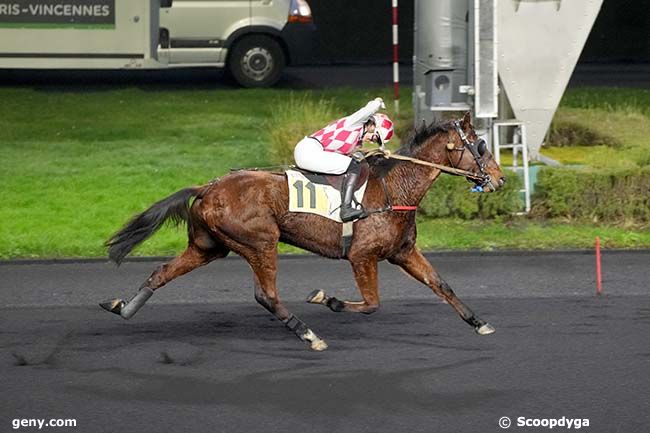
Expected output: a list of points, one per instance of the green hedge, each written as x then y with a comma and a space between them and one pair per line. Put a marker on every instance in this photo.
564, 133
450, 196
614, 197
622, 196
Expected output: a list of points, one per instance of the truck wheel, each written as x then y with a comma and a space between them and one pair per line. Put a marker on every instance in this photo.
256, 61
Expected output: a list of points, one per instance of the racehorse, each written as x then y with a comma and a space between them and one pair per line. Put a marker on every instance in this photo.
247, 212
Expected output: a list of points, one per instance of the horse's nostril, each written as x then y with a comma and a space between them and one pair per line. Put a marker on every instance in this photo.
502, 180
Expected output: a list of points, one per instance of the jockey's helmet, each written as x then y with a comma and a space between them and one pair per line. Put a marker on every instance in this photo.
383, 128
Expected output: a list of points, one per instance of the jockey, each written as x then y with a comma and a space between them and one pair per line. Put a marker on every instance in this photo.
330, 150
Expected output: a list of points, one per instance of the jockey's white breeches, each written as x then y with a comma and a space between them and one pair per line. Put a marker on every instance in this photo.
310, 155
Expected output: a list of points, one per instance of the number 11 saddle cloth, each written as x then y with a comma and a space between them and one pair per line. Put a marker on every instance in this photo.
313, 193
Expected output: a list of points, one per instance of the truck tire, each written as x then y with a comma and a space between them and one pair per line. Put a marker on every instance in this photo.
256, 61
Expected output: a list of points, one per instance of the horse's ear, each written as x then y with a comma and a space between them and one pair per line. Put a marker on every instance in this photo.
467, 121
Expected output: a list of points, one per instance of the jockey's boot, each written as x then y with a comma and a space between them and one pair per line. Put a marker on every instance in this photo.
348, 213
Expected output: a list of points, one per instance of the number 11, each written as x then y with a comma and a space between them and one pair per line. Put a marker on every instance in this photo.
312, 193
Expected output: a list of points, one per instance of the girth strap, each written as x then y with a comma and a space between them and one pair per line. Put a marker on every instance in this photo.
347, 231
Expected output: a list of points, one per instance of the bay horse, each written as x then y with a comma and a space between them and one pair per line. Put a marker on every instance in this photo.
247, 212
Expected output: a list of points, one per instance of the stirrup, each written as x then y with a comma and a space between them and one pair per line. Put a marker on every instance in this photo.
351, 214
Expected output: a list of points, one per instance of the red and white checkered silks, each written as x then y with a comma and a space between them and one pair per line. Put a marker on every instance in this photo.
336, 137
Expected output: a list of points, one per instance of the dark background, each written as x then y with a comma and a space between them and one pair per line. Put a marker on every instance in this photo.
360, 31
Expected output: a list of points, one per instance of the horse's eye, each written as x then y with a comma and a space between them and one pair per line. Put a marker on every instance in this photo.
481, 146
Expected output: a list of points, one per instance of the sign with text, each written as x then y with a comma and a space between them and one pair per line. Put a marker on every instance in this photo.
57, 13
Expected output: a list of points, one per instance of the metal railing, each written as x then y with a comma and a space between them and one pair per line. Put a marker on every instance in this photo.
519, 150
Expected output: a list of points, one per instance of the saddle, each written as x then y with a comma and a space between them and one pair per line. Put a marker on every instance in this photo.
336, 180
323, 197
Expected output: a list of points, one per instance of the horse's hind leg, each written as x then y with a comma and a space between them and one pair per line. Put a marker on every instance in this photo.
365, 275
264, 266
192, 257
416, 265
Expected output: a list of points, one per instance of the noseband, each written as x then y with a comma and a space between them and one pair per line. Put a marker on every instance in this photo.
474, 147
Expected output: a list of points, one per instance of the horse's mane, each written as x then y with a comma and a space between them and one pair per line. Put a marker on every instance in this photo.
417, 137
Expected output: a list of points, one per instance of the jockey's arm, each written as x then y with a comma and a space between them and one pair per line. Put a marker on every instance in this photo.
360, 117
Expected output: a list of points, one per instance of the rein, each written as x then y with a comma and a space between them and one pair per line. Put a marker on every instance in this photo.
457, 171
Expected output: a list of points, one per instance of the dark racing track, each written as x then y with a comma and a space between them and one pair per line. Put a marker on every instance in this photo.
202, 356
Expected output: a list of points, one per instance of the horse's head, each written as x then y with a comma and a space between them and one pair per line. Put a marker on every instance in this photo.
455, 144
465, 150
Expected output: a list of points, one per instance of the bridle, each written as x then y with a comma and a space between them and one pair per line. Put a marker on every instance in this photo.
477, 149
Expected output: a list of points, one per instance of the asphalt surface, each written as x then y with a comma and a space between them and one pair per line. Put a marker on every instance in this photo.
502, 275
203, 357
635, 75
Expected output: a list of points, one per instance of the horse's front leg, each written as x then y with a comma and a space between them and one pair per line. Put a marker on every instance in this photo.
416, 265
365, 274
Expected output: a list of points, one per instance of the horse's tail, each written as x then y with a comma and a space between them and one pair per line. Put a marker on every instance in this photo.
176, 208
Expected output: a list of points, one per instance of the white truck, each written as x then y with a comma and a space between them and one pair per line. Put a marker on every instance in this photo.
252, 39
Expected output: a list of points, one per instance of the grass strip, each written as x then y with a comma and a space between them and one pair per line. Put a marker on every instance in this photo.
76, 163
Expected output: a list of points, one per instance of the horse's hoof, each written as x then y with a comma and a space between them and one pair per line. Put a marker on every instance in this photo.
113, 305
485, 329
318, 345
317, 297
315, 342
